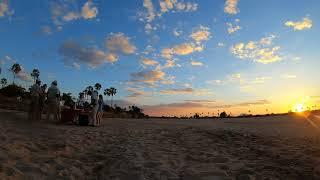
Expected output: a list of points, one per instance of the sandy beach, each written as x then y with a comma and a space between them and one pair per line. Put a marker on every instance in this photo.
280, 147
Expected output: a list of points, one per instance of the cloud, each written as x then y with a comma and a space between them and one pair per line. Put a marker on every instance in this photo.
46, 30
232, 28
196, 63
174, 5
149, 6
65, 11
288, 76
136, 92
119, 43
89, 11
177, 32
177, 91
220, 44
149, 62
231, 7
201, 34
184, 91
169, 80
305, 23
149, 77
182, 49
261, 51
73, 52
24, 76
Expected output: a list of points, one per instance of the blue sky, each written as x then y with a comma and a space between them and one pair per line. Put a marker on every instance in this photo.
171, 56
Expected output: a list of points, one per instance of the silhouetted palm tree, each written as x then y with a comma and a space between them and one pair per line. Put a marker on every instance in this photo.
107, 93
3, 82
97, 86
15, 69
110, 92
35, 74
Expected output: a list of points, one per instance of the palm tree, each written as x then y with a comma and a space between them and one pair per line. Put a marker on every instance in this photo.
15, 69
113, 92
3, 82
107, 92
97, 86
35, 74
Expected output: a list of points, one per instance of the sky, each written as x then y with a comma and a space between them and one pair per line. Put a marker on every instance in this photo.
171, 57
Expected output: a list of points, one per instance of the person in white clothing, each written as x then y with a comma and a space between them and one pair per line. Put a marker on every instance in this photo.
54, 102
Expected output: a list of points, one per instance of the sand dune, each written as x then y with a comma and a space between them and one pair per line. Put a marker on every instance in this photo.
281, 147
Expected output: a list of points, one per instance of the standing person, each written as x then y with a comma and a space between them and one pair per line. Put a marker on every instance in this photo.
94, 104
42, 98
35, 91
54, 102
100, 110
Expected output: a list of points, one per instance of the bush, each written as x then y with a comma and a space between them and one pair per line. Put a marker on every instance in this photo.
223, 115
14, 91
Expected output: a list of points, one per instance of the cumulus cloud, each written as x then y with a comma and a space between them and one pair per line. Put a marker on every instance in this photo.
149, 77
174, 5
196, 63
231, 7
74, 52
149, 62
305, 23
220, 44
201, 34
119, 43
89, 11
181, 49
259, 51
64, 11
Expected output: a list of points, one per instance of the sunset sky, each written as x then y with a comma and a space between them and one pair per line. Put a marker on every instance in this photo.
171, 57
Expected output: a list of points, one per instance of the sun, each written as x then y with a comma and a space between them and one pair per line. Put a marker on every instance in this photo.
299, 107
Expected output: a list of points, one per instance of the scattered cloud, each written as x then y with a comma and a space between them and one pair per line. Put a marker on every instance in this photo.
151, 13
232, 28
169, 80
201, 34
174, 5
136, 92
73, 52
305, 23
182, 49
119, 43
220, 44
89, 11
46, 30
149, 62
5, 9
187, 90
196, 63
258, 51
177, 32
149, 77
65, 11
231, 7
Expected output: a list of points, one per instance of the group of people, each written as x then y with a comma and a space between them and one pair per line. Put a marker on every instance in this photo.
40, 97
95, 107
